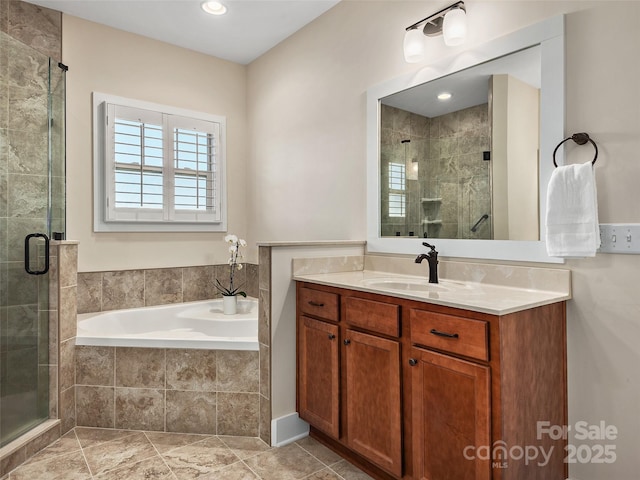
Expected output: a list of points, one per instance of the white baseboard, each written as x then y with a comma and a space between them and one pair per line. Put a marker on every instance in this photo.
288, 429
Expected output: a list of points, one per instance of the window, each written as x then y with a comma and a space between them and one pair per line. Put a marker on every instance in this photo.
397, 185
158, 168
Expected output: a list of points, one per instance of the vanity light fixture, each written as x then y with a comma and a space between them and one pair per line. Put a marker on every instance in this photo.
450, 22
214, 8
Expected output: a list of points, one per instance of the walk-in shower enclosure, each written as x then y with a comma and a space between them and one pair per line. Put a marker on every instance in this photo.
32, 193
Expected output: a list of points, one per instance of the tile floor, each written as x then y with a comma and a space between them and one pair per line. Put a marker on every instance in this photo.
103, 454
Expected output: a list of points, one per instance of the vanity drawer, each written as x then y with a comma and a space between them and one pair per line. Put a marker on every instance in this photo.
319, 304
374, 316
463, 336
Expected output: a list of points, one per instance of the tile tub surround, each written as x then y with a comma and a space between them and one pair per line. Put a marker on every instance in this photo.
99, 291
92, 453
172, 390
117, 290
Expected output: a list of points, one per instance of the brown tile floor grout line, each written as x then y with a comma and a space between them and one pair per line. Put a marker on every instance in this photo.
84, 457
327, 466
312, 455
324, 465
160, 455
251, 469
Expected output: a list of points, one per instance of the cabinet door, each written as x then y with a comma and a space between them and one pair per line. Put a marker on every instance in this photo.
374, 425
451, 417
319, 375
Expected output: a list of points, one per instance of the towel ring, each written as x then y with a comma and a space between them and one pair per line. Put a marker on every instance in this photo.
580, 139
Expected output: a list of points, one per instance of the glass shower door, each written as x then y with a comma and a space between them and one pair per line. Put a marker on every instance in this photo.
31, 205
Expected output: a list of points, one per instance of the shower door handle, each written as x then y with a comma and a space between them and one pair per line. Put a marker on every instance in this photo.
27, 249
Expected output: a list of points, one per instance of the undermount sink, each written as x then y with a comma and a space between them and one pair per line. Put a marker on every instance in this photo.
406, 285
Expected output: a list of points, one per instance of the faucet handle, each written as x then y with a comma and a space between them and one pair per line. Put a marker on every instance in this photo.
432, 247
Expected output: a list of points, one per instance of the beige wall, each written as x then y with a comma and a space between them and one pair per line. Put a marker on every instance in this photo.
306, 103
115, 62
514, 158
306, 164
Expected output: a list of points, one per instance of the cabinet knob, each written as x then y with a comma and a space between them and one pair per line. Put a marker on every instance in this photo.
413, 362
331, 336
347, 341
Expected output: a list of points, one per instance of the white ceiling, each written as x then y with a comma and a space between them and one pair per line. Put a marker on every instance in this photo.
249, 29
468, 87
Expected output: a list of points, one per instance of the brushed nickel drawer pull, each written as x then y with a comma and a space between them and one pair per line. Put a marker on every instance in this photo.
315, 304
443, 334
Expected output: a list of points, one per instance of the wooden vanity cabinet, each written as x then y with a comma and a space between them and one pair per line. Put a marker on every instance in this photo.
318, 367
418, 391
373, 408
351, 390
319, 375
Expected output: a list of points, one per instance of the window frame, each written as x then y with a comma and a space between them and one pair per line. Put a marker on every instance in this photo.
105, 217
401, 193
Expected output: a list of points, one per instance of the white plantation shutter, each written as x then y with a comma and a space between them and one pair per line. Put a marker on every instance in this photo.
161, 168
397, 190
135, 164
196, 183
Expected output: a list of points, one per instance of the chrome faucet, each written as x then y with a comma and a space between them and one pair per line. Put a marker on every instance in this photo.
432, 258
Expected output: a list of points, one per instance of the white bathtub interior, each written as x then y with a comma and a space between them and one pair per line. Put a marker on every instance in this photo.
200, 324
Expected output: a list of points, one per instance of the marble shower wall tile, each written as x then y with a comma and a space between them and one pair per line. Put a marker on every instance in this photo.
38, 27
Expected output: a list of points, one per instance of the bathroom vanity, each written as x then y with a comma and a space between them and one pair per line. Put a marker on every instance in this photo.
411, 380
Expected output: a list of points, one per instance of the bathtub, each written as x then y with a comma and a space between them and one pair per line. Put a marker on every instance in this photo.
184, 325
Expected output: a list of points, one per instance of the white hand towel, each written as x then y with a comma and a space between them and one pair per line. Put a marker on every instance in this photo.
572, 212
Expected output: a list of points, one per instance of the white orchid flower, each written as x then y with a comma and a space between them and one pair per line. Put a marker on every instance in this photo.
239, 266
243, 243
231, 239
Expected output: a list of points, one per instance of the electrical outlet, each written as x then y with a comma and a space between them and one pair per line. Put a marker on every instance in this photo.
620, 238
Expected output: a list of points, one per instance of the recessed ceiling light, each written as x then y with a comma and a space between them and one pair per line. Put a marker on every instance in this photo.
444, 96
214, 8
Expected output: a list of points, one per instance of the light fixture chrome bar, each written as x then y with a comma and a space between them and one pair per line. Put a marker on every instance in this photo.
438, 15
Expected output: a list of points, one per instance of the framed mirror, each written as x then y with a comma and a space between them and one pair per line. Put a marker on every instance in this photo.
468, 171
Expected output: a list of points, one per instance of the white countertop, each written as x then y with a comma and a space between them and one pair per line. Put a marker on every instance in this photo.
477, 297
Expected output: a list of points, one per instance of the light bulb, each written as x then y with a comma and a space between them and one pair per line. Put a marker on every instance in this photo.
413, 45
214, 8
454, 27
